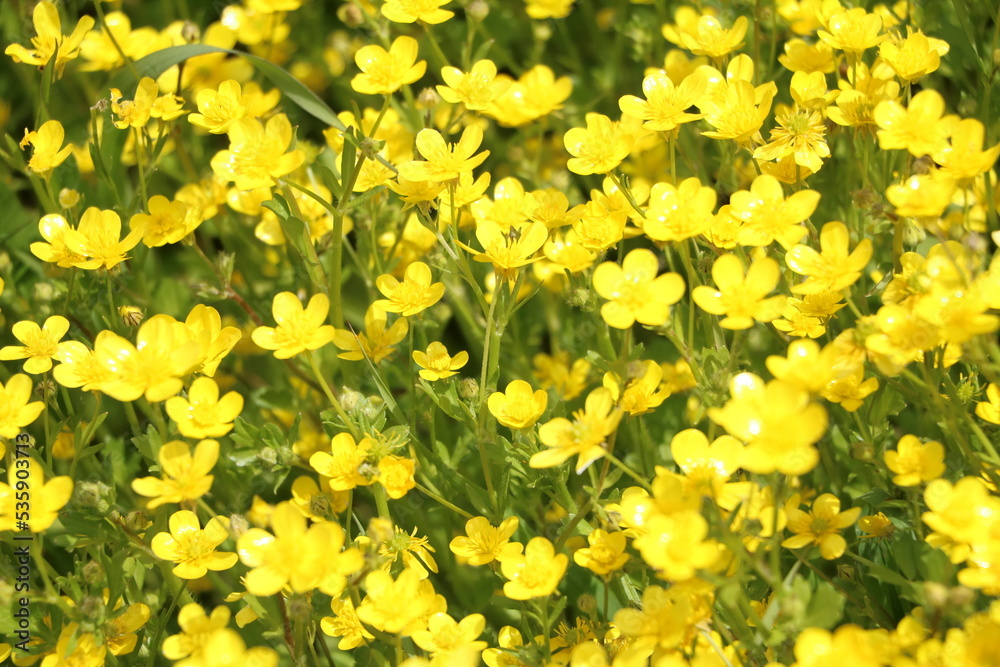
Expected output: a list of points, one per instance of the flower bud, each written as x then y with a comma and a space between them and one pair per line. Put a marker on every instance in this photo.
428, 99
44, 292
350, 15
68, 198
468, 388
238, 524
93, 572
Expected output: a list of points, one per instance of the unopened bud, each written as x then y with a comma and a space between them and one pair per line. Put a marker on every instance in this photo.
863, 451
350, 15
93, 572
478, 10
349, 399
428, 99
587, 603
937, 594
468, 388
238, 524
68, 198
44, 292
191, 32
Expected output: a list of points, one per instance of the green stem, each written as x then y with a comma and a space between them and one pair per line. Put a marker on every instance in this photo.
330, 395
433, 496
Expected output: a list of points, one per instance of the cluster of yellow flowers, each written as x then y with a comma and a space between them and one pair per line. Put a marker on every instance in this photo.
773, 361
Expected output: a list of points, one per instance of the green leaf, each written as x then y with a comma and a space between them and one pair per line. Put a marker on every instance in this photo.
826, 605
159, 62
279, 206
243, 457
361, 199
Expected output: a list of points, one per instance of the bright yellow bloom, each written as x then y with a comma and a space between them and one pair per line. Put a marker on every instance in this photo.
964, 157
876, 525
508, 251
120, 632
666, 105
443, 161
800, 135
809, 92
518, 406
598, 148
476, 89
913, 57
96, 239
919, 128
343, 464
777, 421
375, 342
679, 212
196, 628
85, 652
444, 637
384, 607
410, 11
709, 38
81, 367
49, 40
641, 391
535, 94
46, 498
853, 31
735, 108
184, 477
548, 9
193, 549
741, 297
219, 109
605, 554
707, 467
47, 151
299, 557
634, 292
821, 526
806, 365
914, 461
676, 545
535, 573
584, 436
166, 222
41, 344
299, 329
154, 366
922, 195
768, 216
202, 414
414, 295
482, 543
258, 154
663, 621
848, 644
384, 72
345, 624
834, 268
53, 228
989, 410
214, 340
850, 390
395, 474
568, 379
135, 112
437, 364
801, 56
600, 226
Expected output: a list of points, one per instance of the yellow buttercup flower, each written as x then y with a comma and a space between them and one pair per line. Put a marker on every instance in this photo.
482, 543
437, 364
41, 344
136, 112
166, 222
258, 153
202, 414
800, 135
821, 526
193, 549
476, 89
345, 624
778, 422
518, 406
769, 216
196, 627
381, 607
343, 464
678, 212
605, 553
395, 474
53, 229
598, 148
914, 461
666, 105
919, 128
447, 638
47, 151
641, 391
384, 72
536, 94
299, 329
584, 437
219, 109
413, 295
676, 545
409, 11
708, 38
184, 475
964, 158
153, 367
850, 390
801, 56
49, 40
295, 555
443, 161
46, 498
734, 107
96, 240
508, 251
375, 342
922, 195
535, 573
634, 292
806, 365
853, 31
834, 268
989, 410
913, 57
741, 296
